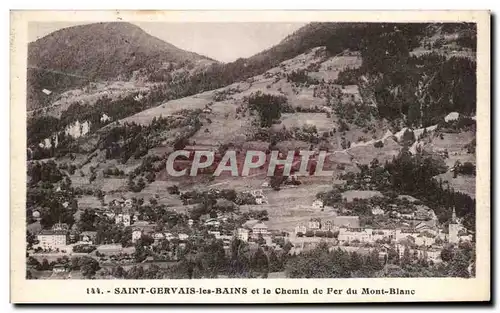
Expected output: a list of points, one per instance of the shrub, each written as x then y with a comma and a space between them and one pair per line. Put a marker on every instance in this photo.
378, 144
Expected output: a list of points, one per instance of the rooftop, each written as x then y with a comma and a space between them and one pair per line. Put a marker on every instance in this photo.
259, 225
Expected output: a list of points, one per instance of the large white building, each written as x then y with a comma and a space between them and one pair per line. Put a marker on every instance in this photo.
52, 239
425, 239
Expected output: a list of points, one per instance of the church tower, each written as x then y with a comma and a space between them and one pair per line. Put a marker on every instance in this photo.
453, 228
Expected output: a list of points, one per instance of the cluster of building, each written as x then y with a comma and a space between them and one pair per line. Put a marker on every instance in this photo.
424, 233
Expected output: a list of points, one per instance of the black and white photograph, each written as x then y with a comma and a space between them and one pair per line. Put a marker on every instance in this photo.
160, 150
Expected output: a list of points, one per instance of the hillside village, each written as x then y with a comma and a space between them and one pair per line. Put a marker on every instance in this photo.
400, 202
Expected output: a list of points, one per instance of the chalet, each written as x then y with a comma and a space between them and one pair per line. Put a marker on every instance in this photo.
87, 237
300, 229
408, 216
404, 233
122, 218
110, 248
260, 200
52, 239
136, 234
139, 97
346, 221
465, 238
314, 224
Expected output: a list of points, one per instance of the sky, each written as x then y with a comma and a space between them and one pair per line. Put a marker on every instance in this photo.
224, 42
